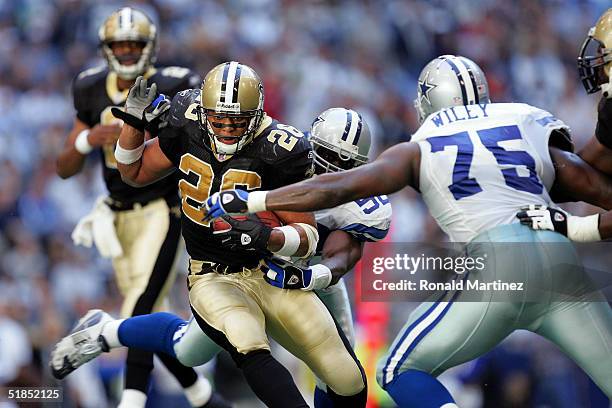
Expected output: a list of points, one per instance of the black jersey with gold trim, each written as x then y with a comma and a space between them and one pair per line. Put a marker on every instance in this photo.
277, 156
603, 131
95, 92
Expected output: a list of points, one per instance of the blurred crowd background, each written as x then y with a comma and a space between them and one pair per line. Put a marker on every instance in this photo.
312, 55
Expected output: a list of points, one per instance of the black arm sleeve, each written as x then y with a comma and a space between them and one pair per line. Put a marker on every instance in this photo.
294, 169
603, 131
81, 102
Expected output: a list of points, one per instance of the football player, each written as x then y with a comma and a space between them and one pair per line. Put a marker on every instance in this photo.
219, 137
146, 221
595, 70
475, 163
342, 231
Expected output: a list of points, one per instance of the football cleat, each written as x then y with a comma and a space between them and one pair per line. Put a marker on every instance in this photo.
84, 343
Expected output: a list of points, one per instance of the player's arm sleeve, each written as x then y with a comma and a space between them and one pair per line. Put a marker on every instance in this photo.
603, 131
171, 144
372, 226
294, 168
81, 102
190, 81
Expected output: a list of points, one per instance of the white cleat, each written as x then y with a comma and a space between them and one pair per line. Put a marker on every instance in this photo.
83, 344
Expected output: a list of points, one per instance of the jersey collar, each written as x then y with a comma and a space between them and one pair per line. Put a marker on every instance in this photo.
116, 95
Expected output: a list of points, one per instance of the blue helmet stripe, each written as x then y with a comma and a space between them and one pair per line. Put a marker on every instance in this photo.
460, 79
471, 74
347, 128
358, 133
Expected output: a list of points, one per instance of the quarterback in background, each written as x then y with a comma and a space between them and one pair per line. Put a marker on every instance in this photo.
476, 164
138, 228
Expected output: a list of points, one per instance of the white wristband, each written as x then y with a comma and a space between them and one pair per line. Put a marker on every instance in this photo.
292, 240
125, 156
257, 201
583, 229
321, 277
81, 143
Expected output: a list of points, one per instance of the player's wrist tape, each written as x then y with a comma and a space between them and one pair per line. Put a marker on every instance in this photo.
257, 201
312, 234
583, 229
321, 277
81, 143
128, 156
292, 240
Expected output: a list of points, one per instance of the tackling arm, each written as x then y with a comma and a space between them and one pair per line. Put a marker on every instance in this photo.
340, 253
574, 178
396, 168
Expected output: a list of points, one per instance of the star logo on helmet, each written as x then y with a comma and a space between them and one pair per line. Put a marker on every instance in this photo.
425, 87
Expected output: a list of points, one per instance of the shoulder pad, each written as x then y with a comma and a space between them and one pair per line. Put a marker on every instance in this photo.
173, 79
560, 134
90, 77
183, 107
277, 142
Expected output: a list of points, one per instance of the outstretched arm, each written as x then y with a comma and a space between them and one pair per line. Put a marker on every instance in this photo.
394, 169
340, 254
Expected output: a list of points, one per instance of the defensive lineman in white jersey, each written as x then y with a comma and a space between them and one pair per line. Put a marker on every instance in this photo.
476, 164
341, 140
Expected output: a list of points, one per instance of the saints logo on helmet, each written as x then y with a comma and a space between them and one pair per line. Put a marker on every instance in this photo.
447, 81
595, 59
129, 25
231, 109
340, 140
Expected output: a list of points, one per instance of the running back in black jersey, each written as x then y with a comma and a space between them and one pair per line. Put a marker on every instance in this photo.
95, 92
277, 156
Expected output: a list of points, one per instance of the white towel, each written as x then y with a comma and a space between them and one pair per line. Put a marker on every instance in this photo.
98, 227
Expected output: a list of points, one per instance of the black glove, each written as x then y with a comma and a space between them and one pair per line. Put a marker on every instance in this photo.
250, 234
541, 217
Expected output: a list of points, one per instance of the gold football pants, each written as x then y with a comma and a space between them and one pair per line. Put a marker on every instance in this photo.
149, 236
237, 309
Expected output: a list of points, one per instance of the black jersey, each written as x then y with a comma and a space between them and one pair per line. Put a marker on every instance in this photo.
277, 156
603, 131
95, 92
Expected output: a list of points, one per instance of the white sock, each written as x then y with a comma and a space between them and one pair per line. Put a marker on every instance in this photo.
199, 393
132, 399
110, 332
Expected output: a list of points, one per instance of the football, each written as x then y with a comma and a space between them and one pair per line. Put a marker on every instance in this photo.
269, 218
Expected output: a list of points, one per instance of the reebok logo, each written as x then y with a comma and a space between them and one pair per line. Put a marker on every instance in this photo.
559, 217
293, 280
227, 198
245, 239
